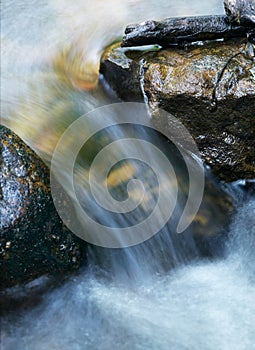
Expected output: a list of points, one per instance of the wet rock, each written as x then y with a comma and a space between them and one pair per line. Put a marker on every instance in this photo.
33, 240
240, 11
211, 225
178, 31
210, 88
122, 73
238, 22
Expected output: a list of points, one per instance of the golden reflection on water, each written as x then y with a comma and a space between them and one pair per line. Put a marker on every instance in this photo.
50, 58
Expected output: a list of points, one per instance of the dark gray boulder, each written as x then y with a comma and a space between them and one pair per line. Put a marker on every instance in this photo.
33, 239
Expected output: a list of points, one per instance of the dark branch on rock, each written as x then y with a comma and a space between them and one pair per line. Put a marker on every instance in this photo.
178, 31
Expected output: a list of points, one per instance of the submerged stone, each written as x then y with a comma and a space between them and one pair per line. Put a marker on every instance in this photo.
33, 239
210, 88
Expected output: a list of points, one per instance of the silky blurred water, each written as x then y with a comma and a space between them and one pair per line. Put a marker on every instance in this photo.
50, 56
205, 305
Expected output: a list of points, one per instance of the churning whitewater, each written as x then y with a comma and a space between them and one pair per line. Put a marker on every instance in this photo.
202, 305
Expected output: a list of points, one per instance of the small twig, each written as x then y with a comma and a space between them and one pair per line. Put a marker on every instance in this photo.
214, 98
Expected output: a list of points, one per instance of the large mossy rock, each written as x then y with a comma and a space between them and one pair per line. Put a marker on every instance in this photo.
210, 88
33, 239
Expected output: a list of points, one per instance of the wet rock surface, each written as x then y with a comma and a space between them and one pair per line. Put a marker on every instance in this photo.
239, 21
240, 11
178, 31
209, 88
33, 240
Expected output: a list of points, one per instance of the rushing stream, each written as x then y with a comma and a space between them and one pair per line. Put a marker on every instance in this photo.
158, 295
203, 305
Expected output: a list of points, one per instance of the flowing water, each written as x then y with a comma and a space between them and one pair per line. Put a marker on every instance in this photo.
160, 294
50, 56
203, 305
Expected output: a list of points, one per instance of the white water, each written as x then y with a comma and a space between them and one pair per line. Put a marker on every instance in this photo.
199, 305
204, 305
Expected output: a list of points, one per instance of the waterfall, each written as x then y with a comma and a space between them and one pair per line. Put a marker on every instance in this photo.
161, 293
139, 176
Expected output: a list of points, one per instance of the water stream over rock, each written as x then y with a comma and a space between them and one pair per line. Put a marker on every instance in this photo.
163, 294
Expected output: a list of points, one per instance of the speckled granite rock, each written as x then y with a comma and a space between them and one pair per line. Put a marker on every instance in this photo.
33, 239
210, 88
